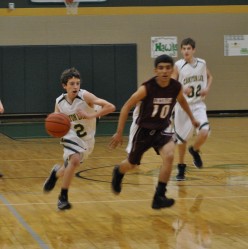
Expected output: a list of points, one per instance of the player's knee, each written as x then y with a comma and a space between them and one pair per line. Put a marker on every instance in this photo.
170, 155
74, 161
204, 133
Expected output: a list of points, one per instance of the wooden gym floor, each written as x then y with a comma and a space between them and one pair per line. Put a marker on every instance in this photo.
211, 209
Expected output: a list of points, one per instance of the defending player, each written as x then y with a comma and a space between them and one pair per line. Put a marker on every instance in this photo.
156, 99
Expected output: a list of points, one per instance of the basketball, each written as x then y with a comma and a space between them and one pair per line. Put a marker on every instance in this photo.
57, 124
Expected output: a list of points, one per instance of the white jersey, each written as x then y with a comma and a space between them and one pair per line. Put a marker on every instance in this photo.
193, 76
81, 136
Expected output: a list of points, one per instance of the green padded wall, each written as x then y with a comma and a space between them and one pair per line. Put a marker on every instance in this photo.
30, 75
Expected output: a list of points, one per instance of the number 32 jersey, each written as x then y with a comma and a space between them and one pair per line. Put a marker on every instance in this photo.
193, 76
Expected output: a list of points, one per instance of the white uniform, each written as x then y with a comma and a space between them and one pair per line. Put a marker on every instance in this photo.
81, 136
193, 76
133, 127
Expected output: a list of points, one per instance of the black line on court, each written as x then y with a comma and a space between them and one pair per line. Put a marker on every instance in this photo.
95, 180
179, 184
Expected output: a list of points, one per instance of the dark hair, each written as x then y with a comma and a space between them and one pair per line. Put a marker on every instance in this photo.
188, 41
163, 58
68, 74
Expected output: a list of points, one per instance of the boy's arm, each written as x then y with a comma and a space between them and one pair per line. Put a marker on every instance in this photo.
92, 100
205, 91
1, 107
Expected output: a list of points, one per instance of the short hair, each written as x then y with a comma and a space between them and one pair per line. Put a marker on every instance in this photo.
188, 41
163, 58
68, 74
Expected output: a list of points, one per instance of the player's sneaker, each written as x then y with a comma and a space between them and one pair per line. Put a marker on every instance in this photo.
1, 175
162, 202
181, 172
63, 204
197, 159
116, 180
51, 180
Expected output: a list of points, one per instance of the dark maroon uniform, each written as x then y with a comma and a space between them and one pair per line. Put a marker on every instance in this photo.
157, 106
153, 118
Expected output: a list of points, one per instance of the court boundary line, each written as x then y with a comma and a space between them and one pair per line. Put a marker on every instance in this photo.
21, 220
115, 201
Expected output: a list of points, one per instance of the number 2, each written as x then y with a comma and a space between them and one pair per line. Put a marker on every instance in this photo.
79, 128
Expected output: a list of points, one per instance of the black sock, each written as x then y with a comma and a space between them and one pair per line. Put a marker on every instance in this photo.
161, 188
64, 194
121, 175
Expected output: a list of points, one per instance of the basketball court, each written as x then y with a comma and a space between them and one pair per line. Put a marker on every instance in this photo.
210, 211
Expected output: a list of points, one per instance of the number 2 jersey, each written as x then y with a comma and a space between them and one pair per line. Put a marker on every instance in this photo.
84, 128
156, 108
193, 76
81, 137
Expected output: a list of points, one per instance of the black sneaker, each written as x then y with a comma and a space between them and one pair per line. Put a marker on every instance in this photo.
197, 159
51, 180
161, 202
63, 204
1, 175
181, 172
116, 180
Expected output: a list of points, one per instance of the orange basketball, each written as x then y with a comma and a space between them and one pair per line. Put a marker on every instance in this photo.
57, 124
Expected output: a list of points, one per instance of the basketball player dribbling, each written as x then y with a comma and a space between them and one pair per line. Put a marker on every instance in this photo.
78, 143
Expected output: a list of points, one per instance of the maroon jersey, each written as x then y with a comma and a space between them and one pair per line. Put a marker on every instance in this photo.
156, 108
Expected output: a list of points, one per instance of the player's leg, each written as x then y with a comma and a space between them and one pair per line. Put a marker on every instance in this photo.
202, 134
84, 149
50, 182
183, 130
118, 173
73, 163
200, 139
181, 166
194, 150
136, 149
167, 154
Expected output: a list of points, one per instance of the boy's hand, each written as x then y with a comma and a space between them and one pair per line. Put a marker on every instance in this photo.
115, 141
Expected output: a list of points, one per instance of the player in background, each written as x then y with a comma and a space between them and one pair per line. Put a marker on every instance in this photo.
196, 80
79, 142
1, 111
154, 101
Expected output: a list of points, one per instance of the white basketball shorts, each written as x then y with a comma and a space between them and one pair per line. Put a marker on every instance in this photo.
183, 127
73, 144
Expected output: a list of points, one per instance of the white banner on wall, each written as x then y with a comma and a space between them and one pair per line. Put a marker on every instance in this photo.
164, 45
236, 45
